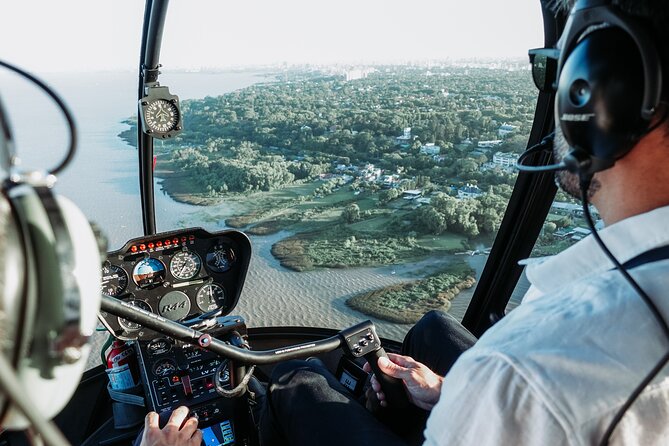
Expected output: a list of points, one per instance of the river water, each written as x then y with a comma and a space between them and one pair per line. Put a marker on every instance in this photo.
103, 181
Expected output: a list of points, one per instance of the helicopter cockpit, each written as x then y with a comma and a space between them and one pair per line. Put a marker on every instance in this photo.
270, 182
208, 279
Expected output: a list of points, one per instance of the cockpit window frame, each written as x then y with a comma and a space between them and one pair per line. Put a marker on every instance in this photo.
526, 212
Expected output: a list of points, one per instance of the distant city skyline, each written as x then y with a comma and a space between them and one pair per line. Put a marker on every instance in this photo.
83, 35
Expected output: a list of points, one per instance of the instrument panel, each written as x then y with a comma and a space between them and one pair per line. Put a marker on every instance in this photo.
179, 275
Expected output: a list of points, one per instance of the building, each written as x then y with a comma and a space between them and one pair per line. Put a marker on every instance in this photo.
406, 138
505, 159
412, 194
489, 144
430, 149
572, 209
505, 129
388, 181
469, 191
370, 173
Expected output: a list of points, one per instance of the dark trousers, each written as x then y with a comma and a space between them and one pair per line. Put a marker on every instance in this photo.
306, 405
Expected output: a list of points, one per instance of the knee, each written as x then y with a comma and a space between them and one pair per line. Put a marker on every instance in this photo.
294, 374
434, 320
288, 370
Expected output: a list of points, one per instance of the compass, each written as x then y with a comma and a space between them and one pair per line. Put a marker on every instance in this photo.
161, 116
160, 113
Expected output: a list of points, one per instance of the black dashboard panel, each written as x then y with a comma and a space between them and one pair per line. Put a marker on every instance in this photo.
179, 275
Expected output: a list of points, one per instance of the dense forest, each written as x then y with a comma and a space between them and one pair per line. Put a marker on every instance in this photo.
272, 135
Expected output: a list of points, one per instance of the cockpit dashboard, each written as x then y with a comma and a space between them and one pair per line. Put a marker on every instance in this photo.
180, 275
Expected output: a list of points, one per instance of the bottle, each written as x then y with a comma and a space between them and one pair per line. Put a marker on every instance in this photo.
121, 366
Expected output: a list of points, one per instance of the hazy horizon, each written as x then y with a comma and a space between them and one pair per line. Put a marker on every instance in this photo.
208, 34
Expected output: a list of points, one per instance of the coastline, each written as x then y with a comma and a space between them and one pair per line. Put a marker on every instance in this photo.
171, 184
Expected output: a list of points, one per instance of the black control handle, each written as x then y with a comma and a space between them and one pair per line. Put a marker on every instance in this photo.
396, 394
361, 340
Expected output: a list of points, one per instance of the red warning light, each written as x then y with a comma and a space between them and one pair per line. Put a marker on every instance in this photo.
168, 242
150, 245
133, 249
175, 240
175, 379
159, 244
142, 247
183, 239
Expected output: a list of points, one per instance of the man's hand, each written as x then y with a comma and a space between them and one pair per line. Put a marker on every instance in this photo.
177, 432
422, 384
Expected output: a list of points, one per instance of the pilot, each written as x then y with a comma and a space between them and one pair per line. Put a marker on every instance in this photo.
564, 366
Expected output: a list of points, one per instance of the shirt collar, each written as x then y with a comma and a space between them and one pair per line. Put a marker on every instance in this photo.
626, 239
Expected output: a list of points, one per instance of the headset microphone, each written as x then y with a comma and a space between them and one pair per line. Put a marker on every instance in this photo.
546, 145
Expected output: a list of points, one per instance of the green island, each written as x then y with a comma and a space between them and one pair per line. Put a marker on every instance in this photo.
407, 303
403, 164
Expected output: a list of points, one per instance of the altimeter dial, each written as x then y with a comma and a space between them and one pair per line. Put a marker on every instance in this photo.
185, 265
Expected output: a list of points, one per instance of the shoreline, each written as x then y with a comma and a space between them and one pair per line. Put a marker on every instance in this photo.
169, 182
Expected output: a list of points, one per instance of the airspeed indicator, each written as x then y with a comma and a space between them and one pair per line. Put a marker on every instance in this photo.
185, 265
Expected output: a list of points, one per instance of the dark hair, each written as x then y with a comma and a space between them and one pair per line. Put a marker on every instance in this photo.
654, 13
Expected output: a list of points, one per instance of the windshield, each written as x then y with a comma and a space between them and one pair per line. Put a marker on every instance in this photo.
91, 63
365, 147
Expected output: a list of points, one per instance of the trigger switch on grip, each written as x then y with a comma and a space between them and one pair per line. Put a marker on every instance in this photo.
396, 395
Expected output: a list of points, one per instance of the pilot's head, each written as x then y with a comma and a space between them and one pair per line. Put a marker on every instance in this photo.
605, 104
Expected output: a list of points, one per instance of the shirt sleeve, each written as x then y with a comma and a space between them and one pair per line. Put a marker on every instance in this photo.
486, 401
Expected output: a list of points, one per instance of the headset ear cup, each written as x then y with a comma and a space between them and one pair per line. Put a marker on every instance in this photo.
66, 276
600, 93
17, 292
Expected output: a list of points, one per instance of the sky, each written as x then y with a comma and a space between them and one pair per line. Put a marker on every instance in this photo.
92, 35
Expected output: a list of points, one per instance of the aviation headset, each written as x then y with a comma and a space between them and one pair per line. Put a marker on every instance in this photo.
609, 85
49, 284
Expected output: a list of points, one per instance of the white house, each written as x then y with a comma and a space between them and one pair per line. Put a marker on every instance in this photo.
504, 159
430, 149
405, 139
469, 191
505, 129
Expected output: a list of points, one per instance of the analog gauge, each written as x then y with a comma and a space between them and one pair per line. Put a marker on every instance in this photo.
161, 116
114, 280
210, 297
185, 265
164, 367
220, 258
126, 324
159, 346
148, 272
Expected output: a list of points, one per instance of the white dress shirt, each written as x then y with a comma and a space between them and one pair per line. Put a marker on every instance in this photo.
557, 369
